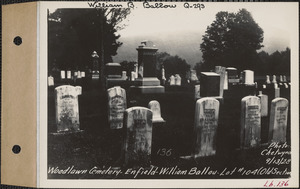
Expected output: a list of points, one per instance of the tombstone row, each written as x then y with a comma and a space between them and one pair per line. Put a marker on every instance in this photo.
139, 121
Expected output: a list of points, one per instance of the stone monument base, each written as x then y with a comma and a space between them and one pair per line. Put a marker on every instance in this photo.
147, 89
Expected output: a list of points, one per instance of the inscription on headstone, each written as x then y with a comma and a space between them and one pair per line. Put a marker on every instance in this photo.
138, 142
67, 110
250, 122
206, 123
116, 106
278, 120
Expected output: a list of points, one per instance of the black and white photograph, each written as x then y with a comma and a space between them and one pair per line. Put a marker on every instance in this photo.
170, 91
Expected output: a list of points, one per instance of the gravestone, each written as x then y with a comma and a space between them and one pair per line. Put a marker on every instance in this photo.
250, 122
116, 106
197, 92
147, 81
62, 74
232, 75
75, 74
138, 141
50, 81
154, 106
210, 84
78, 74
69, 74
136, 70
247, 77
133, 76
205, 128
67, 109
278, 120
82, 74
124, 75
172, 80
163, 76
113, 70
274, 80
264, 104
177, 80
194, 77
221, 71
268, 79
225, 87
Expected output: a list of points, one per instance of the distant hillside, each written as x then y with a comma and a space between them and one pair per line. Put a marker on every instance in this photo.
185, 45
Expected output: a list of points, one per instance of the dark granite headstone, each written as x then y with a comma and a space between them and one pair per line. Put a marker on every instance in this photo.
210, 84
154, 106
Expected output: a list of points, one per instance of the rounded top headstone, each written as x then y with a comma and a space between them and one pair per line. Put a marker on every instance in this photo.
95, 55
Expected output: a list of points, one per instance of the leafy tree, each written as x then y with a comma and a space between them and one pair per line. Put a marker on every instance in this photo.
232, 40
75, 33
277, 63
199, 67
172, 64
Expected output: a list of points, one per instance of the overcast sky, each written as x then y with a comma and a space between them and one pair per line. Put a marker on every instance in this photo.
171, 27
273, 18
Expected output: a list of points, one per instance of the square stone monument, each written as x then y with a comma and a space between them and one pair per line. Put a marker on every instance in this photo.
147, 81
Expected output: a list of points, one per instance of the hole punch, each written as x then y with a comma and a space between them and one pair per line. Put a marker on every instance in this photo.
16, 149
18, 40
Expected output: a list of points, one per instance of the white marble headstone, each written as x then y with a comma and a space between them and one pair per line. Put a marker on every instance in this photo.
205, 128
69, 74
116, 106
138, 142
67, 108
250, 122
278, 120
177, 80
194, 75
62, 74
248, 77
154, 106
